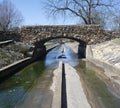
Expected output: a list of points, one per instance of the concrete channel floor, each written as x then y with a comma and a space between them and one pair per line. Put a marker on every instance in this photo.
76, 97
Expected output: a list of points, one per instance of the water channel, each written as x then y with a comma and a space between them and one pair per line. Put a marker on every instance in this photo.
31, 86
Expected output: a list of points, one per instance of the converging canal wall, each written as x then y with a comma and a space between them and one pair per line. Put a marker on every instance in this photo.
9, 70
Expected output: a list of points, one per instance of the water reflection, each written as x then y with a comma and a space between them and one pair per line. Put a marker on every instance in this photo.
61, 53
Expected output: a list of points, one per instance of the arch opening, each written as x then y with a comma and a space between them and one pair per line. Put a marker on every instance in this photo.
41, 45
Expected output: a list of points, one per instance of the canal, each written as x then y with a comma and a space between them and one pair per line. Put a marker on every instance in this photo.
31, 86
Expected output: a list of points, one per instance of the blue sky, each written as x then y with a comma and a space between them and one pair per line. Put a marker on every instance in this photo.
34, 14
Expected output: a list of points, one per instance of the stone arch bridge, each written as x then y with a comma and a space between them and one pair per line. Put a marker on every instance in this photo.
85, 34
91, 34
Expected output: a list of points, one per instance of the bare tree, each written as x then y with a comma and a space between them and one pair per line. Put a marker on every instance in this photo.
89, 11
10, 17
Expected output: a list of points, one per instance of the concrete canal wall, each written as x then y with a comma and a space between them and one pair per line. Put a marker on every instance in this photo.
107, 56
9, 70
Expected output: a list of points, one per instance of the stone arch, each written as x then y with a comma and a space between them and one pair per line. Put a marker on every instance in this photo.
52, 38
39, 44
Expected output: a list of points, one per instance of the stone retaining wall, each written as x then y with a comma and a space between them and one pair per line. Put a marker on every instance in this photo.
9, 35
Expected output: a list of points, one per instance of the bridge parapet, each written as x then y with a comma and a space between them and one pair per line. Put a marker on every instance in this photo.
91, 34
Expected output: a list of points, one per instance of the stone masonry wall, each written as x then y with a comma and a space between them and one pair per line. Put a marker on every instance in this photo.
9, 35
91, 34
